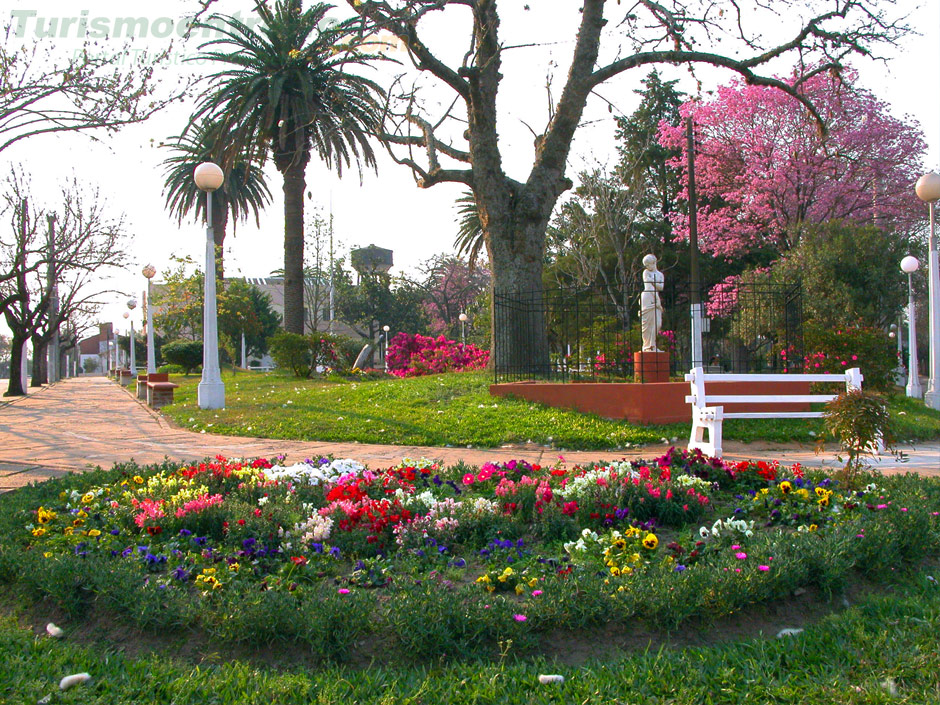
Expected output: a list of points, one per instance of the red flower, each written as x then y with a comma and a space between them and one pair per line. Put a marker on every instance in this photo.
241, 522
299, 560
154, 530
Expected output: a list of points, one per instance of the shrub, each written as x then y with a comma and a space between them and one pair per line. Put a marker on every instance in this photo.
303, 354
838, 350
170, 369
413, 355
859, 419
347, 350
185, 353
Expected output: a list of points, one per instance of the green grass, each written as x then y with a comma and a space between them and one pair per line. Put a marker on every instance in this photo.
456, 410
886, 642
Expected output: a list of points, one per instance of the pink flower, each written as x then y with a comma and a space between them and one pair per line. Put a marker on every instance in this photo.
469, 479
343, 591
763, 568
741, 555
519, 617
735, 547
737, 570
536, 593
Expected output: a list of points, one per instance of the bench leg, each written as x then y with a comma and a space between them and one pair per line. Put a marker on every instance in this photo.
707, 421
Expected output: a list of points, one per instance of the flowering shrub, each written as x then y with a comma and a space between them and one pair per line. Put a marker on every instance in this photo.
414, 355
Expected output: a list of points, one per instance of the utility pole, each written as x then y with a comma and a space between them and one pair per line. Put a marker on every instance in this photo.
694, 279
332, 267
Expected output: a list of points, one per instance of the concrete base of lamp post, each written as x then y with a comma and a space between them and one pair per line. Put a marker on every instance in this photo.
211, 395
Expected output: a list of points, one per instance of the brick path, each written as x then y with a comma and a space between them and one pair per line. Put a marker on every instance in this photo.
85, 422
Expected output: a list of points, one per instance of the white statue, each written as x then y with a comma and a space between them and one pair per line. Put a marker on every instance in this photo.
651, 307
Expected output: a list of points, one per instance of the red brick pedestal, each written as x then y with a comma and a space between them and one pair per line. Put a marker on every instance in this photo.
650, 367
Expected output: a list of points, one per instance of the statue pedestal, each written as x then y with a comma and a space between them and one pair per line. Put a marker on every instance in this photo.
650, 367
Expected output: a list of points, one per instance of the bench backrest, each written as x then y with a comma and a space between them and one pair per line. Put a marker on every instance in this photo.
700, 398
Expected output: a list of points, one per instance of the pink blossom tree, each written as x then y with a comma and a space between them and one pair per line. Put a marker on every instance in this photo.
764, 169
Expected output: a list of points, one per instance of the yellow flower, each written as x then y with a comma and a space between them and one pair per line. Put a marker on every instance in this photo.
626, 570
82, 514
533, 582
803, 492
615, 571
519, 589
94, 532
650, 541
635, 558
88, 498
620, 544
820, 491
44, 516
483, 579
138, 479
78, 522
67, 531
823, 501
293, 53
233, 567
786, 487
39, 531
490, 588
63, 494
813, 527
47, 554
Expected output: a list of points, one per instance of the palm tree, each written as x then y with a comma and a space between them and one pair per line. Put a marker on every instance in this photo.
244, 191
469, 241
286, 90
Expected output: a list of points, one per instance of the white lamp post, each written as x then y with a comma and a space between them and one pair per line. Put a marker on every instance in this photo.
928, 189
211, 391
385, 330
909, 265
127, 316
150, 271
463, 328
132, 304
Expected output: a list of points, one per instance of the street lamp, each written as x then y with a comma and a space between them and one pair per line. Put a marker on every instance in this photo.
132, 304
928, 189
150, 271
211, 391
386, 329
117, 348
909, 265
463, 328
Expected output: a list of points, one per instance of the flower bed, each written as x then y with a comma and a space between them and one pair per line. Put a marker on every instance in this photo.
441, 560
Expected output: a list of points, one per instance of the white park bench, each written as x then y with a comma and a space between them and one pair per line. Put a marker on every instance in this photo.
707, 417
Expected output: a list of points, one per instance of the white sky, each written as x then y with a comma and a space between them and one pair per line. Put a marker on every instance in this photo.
385, 209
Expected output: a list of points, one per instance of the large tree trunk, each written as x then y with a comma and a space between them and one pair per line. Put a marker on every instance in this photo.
294, 185
15, 387
40, 368
516, 246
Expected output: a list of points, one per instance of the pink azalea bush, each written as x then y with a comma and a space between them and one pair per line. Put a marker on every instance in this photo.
414, 355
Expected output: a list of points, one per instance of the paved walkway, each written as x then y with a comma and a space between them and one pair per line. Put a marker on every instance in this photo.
85, 422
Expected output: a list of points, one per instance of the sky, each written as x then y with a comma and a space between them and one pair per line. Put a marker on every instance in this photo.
384, 208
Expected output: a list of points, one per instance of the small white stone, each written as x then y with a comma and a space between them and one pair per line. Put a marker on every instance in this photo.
788, 632
551, 678
54, 631
74, 679
889, 685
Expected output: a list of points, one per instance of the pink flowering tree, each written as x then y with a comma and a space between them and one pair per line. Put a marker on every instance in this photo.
764, 169
451, 288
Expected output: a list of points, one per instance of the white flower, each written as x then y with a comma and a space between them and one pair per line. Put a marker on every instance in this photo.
704, 532
262, 501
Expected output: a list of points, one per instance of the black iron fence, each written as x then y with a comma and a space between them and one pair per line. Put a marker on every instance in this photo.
592, 333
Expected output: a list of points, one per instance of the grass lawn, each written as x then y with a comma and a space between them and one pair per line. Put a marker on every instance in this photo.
668, 582
882, 650
456, 410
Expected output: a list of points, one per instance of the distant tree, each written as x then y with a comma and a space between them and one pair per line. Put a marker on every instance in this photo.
244, 308
86, 243
177, 302
451, 288
845, 279
765, 171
